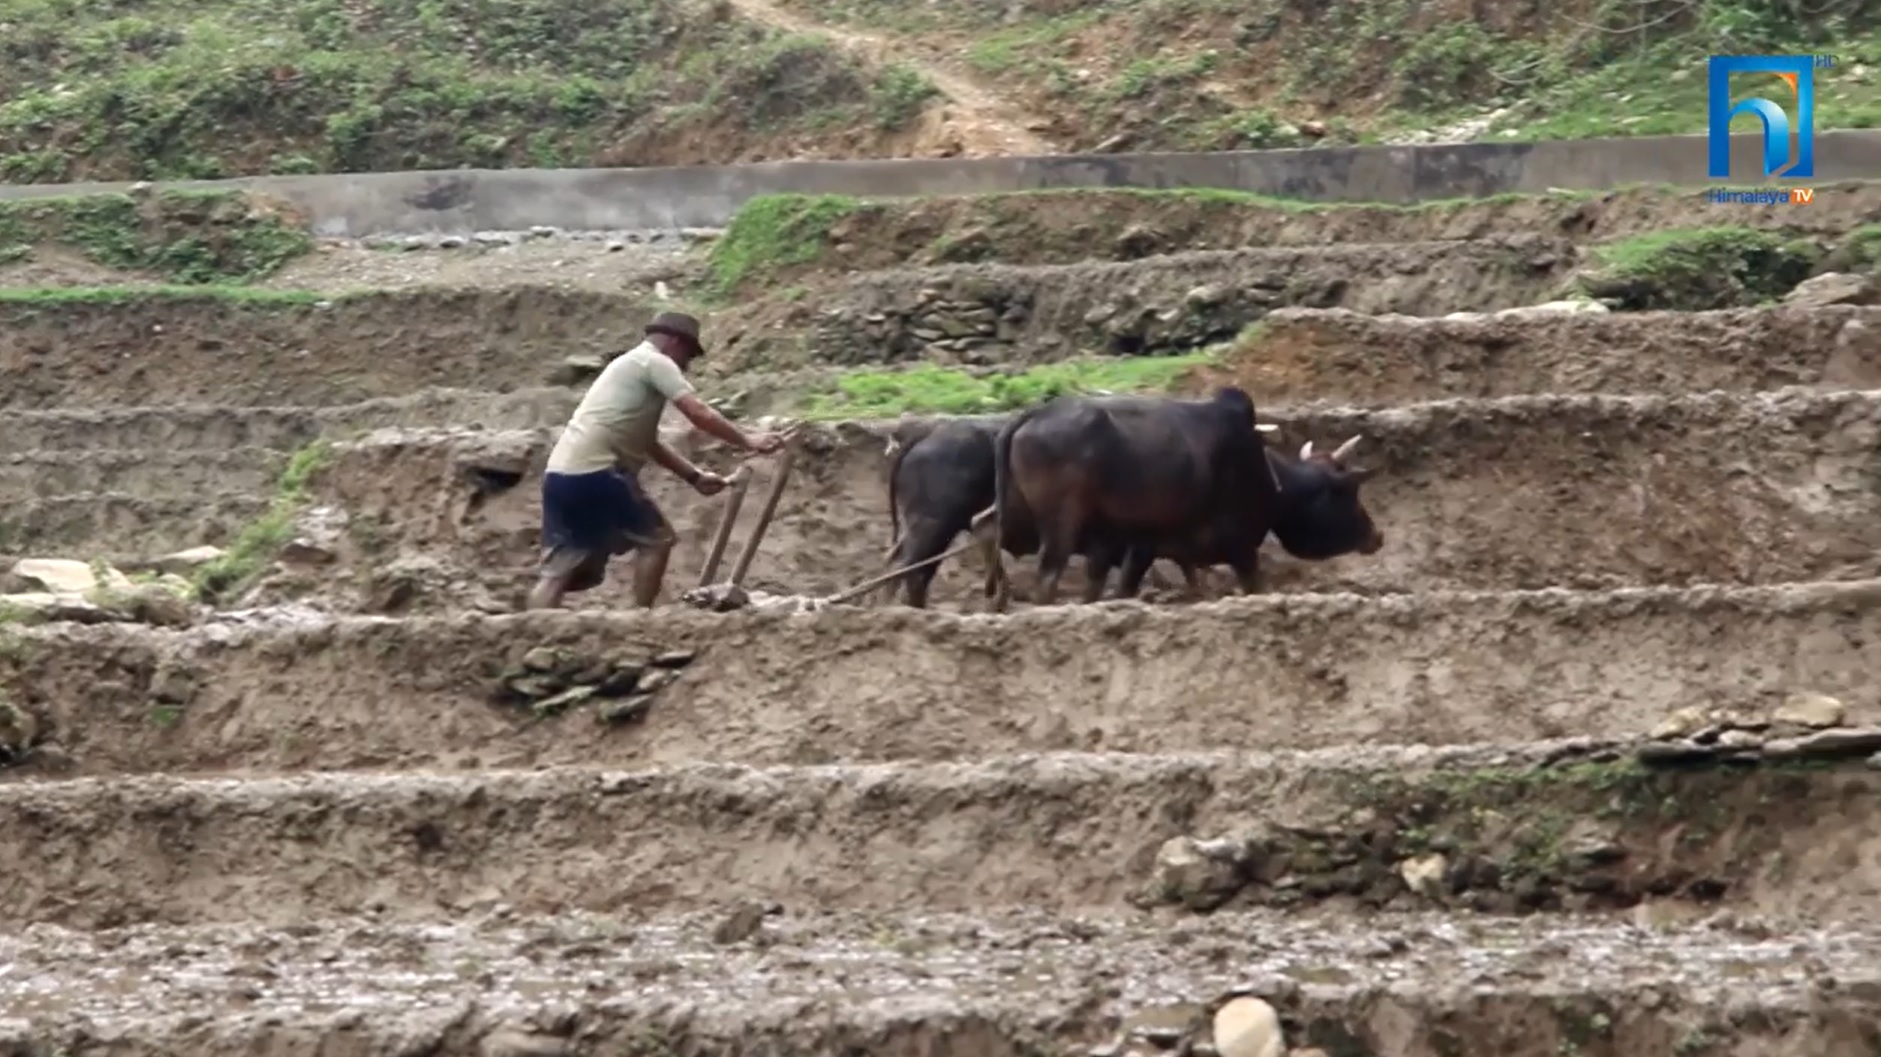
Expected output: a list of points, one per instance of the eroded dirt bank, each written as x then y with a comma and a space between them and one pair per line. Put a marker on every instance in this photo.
204, 427
1518, 492
1303, 357
1301, 671
91, 523
995, 313
1052, 832
1054, 227
172, 349
1003, 985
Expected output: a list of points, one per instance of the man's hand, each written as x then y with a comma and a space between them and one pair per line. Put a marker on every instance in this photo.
710, 484
766, 443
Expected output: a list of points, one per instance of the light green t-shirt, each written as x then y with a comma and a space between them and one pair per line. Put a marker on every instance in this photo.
618, 420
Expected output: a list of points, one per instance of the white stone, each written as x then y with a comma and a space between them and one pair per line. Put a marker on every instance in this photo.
1248, 1027
1424, 875
1811, 710
67, 576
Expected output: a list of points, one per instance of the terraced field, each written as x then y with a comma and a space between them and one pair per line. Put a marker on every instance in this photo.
1582, 764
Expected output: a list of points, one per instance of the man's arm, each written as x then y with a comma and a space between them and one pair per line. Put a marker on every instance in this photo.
701, 415
674, 463
672, 384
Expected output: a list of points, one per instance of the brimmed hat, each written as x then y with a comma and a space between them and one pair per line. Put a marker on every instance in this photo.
679, 325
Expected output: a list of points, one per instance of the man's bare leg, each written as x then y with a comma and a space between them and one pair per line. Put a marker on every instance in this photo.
558, 573
548, 591
650, 571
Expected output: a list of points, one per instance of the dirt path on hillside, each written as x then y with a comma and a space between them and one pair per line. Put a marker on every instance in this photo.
982, 122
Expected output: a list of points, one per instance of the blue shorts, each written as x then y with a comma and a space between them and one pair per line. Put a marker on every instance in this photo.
590, 517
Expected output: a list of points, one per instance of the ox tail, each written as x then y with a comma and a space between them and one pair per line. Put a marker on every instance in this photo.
897, 451
1002, 486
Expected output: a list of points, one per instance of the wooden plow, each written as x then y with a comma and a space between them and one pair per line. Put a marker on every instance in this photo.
730, 593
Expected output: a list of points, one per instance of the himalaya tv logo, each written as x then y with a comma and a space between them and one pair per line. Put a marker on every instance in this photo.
1781, 158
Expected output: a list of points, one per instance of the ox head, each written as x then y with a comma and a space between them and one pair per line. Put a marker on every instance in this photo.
1321, 515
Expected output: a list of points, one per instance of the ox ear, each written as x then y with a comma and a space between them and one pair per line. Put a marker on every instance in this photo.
1361, 475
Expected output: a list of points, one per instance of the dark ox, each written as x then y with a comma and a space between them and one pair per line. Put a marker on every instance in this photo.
940, 474
1137, 478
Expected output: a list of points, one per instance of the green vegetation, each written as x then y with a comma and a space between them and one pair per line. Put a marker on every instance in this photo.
1220, 74
183, 236
169, 89
53, 296
1698, 269
1859, 252
256, 547
771, 232
944, 390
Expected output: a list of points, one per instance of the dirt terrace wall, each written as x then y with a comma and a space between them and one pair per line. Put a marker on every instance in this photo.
167, 349
87, 524
984, 314
1050, 832
463, 200
851, 684
1306, 357
1518, 492
284, 428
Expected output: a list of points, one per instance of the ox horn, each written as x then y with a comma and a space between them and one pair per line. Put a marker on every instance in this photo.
1306, 450
1340, 453
894, 445
1265, 427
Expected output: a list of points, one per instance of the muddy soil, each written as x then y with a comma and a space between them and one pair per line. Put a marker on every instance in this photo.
850, 684
138, 474
1305, 356
284, 428
985, 314
171, 350
1055, 832
1010, 984
89, 523
1059, 227
1520, 492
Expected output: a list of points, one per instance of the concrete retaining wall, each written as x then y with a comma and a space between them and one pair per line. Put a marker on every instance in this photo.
706, 196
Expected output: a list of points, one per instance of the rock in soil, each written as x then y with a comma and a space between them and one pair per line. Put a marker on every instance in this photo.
1248, 1027
1811, 710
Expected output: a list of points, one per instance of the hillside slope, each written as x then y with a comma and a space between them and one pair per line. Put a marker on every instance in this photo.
162, 89
1224, 74
165, 89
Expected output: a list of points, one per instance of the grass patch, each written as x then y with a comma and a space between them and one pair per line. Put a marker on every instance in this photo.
1226, 74
1699, 269
773, 232
183, 236
1859, 252
930, 389
169, 89
54, 296
245, 561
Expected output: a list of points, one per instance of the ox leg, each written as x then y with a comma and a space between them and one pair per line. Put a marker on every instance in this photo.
1247, 572
923, 540
1136, 564
1192, 579
1099, 559
1054, 555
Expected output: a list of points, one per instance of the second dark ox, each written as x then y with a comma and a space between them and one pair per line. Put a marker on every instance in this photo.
1131, 478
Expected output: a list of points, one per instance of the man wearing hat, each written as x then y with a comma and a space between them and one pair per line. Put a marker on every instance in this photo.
592, 504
